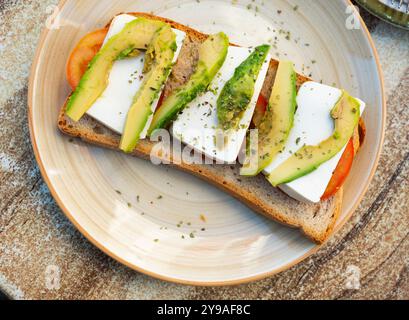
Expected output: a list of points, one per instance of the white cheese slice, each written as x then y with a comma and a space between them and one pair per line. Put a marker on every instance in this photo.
197, 125
125, 79
312, 125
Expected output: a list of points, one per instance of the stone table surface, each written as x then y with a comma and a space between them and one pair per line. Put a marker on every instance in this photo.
35, 234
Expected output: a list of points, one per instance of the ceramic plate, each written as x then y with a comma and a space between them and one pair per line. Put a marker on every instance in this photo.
163, 222
385, 11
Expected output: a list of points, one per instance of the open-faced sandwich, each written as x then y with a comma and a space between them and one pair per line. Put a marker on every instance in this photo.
296, 138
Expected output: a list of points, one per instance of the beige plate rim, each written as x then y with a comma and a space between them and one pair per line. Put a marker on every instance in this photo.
174, 280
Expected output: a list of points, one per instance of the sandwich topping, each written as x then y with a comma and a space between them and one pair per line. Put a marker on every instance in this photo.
198, 126
323, 124
346, 114
239, 90
158, 62
137, 34
212, 54
302, 136
276, 124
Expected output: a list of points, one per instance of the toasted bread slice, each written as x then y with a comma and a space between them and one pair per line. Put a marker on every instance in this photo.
315, 220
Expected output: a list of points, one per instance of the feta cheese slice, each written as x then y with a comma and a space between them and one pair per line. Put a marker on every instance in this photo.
197, 125
312, 125
125, 79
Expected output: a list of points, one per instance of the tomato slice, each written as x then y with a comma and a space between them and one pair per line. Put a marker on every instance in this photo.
161, 99
260, 110
82, 55
341, 172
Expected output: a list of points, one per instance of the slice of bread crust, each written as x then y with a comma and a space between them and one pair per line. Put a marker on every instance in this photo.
315, 220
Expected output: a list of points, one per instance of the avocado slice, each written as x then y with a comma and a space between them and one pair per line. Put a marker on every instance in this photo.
136, 35
212, 54
275, 126
158, 63
346, 114
239, 90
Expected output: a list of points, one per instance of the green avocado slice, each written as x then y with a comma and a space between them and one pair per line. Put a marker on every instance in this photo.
239, 90
275, 127
346, 114
158, 63
136, 35
212, 54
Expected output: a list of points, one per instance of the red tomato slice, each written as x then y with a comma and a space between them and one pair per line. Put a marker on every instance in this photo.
341, 172
82, 55
160, 102
260, 110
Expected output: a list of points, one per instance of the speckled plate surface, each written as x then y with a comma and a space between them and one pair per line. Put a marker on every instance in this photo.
163, 222
385, 11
